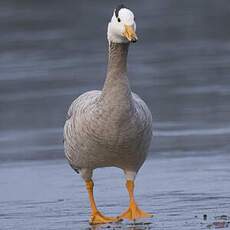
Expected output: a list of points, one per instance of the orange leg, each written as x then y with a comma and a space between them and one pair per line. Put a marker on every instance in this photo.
96, 216
133, 212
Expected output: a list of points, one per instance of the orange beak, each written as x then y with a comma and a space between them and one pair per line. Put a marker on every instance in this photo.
130, 33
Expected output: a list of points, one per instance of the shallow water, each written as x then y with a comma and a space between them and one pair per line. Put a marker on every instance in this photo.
179, 190
51, 52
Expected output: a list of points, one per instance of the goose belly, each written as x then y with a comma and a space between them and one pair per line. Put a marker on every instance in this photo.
95, 144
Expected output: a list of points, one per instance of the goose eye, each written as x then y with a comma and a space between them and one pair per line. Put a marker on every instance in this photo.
118, 19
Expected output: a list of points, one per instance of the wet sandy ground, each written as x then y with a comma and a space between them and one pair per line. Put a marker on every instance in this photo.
184, 192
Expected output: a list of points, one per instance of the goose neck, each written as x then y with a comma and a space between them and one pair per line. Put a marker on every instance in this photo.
116, 83
117, 60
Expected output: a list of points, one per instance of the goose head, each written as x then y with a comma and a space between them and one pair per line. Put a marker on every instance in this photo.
122, 27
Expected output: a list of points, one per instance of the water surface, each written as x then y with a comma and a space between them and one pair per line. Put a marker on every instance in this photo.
53, 51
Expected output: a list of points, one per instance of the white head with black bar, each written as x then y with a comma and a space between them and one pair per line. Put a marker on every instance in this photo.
122, 27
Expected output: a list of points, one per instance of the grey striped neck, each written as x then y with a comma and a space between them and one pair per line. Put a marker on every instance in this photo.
116, 78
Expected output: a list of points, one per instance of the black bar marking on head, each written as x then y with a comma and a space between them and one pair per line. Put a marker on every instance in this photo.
121, 6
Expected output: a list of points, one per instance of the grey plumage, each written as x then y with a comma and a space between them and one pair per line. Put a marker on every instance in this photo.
112, 127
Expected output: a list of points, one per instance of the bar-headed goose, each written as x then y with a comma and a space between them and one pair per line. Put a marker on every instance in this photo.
111, 127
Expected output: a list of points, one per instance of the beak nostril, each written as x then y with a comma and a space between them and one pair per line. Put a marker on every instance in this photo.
130, 34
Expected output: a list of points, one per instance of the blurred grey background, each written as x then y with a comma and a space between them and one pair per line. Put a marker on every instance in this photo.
52, 51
